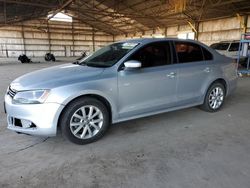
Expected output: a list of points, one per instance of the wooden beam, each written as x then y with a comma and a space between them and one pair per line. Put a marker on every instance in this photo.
192, 26
89, 15
93, 39
202, 9
73, 38
102, 14
23, 38
97, 24
5, 12
49, 37
245, 23
226, 2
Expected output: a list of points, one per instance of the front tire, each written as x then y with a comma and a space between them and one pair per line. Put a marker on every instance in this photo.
214, 98
84, 120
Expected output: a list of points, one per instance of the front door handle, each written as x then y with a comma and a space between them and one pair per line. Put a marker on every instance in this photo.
171, 75
207, 70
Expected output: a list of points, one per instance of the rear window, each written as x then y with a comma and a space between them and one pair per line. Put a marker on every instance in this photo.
188, 52
220, 46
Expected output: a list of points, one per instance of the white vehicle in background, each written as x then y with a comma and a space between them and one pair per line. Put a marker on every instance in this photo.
227, 48
231, 49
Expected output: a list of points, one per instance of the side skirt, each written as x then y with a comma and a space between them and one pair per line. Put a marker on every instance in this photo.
154, 113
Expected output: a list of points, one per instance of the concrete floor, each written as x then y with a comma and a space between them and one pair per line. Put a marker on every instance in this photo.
182, 149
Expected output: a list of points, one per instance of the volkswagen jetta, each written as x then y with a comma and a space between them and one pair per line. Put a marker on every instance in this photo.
122, 81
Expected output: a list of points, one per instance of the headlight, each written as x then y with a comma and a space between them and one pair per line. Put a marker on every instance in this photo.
31, 97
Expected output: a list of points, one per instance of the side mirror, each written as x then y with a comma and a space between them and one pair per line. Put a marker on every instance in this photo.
132, 64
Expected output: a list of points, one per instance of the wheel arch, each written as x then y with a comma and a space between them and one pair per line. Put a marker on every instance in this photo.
222, 81
206, 88
204, 105
102, 99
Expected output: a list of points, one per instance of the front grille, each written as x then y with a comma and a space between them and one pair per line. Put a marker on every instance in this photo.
11, 92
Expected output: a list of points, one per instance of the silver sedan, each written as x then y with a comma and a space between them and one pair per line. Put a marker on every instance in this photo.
122, 81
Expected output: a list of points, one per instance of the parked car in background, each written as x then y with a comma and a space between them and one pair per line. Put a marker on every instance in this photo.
227, 48
122, 81
230, 49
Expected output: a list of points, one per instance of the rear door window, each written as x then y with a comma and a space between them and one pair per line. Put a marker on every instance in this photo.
188, 52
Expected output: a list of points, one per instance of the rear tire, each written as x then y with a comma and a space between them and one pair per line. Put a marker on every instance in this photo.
214, 98
85, 120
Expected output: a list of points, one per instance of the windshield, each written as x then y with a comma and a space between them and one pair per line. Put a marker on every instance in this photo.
220, 46
108, 55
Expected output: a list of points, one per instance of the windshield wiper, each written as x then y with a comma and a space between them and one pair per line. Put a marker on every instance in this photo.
90, 64
76, 62
79, 63
96, 65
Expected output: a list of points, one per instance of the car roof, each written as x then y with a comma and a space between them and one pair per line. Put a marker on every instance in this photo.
148, 40
144, 41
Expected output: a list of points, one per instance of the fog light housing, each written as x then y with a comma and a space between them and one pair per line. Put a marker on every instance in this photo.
26, 123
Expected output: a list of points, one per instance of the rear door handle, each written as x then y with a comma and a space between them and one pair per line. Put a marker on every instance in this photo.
171, 75
207, 70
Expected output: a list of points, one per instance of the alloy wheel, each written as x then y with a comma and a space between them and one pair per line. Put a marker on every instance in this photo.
86, 122
216, 98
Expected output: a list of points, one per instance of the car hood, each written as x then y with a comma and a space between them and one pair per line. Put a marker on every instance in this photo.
56, 76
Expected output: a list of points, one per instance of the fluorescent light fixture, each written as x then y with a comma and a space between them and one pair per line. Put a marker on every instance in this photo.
186, 35
61, 17
182, 36
158, 36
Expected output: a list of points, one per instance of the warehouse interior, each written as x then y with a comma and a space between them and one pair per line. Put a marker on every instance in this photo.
28, 27
185, 148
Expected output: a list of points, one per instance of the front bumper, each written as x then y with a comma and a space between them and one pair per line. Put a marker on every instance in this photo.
43, 117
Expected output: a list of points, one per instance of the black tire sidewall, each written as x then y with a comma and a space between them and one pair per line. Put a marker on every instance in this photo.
72, 108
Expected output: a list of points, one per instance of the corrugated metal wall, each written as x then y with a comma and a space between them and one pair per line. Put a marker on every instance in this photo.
35, 38
209, 31
220, 30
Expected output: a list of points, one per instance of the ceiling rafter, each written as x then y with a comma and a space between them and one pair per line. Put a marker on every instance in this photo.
63, 6
123, 16
134, 10
107, 27
112, 16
